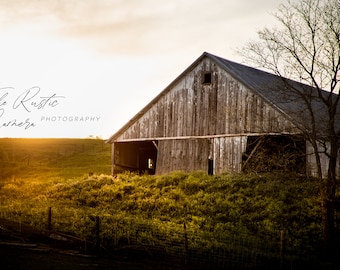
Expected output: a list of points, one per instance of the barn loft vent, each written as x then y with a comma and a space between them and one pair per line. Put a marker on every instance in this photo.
207, 78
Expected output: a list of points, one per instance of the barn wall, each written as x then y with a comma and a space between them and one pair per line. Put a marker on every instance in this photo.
192, 108
186, 155
227, 154
193, 154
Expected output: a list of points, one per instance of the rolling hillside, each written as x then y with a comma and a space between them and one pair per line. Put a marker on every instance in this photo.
46, 158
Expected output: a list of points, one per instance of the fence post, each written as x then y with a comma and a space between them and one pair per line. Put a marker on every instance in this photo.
49, 219
115, 234
185, 243
97, 233
20, 226
282, 248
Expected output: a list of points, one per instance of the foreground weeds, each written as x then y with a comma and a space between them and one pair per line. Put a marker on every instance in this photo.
222, 206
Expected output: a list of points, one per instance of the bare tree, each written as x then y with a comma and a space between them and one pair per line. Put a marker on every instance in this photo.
305, 47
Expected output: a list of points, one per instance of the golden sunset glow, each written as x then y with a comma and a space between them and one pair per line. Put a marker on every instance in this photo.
107, 59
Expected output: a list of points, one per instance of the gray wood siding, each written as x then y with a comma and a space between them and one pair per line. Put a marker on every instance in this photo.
191, 108
227, 154
185, 155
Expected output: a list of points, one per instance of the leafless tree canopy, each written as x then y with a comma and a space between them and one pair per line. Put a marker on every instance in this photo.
306, 49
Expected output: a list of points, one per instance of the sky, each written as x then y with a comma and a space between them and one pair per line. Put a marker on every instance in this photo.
78, 69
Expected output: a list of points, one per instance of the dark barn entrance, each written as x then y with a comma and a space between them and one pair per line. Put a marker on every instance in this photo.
138, 157
278, 153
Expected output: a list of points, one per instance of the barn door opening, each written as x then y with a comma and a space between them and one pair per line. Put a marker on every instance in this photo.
147, 156
278, 153
138, 157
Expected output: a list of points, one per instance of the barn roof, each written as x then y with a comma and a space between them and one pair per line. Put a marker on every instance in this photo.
281, 93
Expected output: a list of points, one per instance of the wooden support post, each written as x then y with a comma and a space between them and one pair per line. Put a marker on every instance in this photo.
49, 219
185, 243
282, 248
20, 226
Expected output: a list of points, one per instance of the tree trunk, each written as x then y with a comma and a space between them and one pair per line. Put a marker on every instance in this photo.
327, 210
327, 202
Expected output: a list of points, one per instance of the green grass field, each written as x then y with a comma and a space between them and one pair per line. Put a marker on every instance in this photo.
53, 158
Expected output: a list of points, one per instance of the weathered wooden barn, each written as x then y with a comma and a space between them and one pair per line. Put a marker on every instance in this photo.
217, 116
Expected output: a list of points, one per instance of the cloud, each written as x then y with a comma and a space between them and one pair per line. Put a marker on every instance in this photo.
134, 26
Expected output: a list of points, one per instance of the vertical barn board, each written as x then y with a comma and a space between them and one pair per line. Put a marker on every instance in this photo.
229, 141
160, 118
143, 132
162, 157
204, 109
189, 113
245, 113
232, 105
212, 108
200, 111
153, 126
228, 107
181, 116
217, 154
256, 111
230, 151
219, 148
166, 115
220, 104
267, 118
172, 115
236, 108
252, 113
181, 113
249, 109
239, 149
194, 106
175, 112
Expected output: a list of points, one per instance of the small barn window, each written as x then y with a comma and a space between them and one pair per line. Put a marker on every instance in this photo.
207, 78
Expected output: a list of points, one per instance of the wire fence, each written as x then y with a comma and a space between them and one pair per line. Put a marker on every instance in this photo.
163, 240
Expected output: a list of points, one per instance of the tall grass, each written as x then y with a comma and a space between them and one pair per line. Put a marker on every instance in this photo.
223, 205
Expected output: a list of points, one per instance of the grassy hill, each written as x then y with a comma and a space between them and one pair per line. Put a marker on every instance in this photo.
229, 216
46, 158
